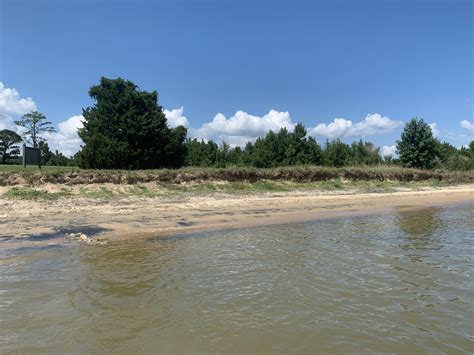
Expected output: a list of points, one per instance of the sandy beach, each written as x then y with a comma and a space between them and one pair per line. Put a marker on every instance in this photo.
133, 216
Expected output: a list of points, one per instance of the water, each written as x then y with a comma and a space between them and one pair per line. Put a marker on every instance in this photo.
398, 282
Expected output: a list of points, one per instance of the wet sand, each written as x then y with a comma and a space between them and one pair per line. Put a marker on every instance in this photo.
134, 216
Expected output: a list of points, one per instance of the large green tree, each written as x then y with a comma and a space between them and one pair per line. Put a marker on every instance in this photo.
337, 153
445, 151
8, 141
127, 129
365, 153
200, 153
417, 148
35, 124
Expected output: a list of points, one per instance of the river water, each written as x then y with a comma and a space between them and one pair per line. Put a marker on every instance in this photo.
396, 282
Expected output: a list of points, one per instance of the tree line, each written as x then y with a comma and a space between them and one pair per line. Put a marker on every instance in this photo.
126, 128
417, 148
283, 148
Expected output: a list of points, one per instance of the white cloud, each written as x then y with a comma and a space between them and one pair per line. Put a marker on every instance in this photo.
389, 150
434, 129
372, 124
175, 117
467, 125
242, 127
339, 128
66, 140
12, 106
236, 130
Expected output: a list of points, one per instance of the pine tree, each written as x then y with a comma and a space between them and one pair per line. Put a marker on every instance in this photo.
417, 147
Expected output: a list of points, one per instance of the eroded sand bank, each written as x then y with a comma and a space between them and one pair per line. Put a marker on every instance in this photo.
133, 216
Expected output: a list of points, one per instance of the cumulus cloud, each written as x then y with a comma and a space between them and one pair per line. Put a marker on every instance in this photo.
242, 127
66, 140
176, 118
12, 106
389, 150
235, 130
434, 129
340, 127
467, 125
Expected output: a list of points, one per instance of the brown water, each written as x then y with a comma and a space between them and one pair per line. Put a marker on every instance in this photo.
398, 282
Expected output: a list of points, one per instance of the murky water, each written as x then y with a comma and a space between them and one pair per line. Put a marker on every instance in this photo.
399, 282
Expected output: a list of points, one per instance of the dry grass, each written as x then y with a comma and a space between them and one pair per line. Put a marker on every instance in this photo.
302, 174
167, 190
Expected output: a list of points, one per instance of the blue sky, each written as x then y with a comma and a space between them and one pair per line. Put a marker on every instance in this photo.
316, 60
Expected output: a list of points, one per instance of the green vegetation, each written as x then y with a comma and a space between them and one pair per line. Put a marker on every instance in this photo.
127, 129
53, 159
455, 159
5, 168
101, 193
171, 190
8, 147
26, 193
15, 175
417, 147
35, 124
281, 149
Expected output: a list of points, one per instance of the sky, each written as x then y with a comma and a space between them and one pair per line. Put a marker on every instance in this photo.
233, 70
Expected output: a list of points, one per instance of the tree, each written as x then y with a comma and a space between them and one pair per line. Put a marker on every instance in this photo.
46, 154
50, 158
337, 153
364, 153
200, 153
460, 159
235, 156
283, 148
36, 124
8, 139
60, 159
265, 151
445, 151
297, 149
127, 129
223, 155
314, 152
417, 146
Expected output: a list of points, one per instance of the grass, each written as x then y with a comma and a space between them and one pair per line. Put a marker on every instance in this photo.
26, 193
285, 186
296, 173
102, 193
26, 183
165, 190
34, 169
142, 191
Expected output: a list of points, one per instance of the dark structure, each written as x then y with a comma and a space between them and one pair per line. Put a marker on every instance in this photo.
31, 156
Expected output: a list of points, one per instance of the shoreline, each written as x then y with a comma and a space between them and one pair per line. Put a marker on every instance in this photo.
43, 222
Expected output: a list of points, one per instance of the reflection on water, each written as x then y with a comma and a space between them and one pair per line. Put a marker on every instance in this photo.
398, 282
422, 223
419, 231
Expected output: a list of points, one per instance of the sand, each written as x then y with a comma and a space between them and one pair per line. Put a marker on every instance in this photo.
133, 217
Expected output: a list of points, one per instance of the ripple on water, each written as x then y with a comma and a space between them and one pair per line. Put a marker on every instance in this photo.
396, 282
